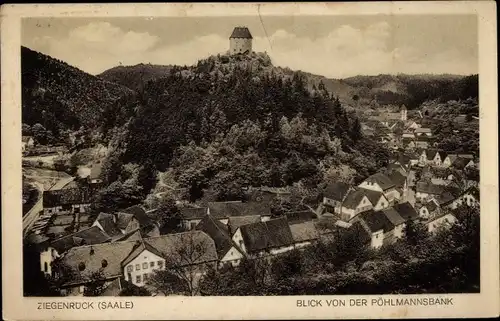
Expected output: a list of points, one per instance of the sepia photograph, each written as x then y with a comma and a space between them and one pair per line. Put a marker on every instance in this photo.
252, 155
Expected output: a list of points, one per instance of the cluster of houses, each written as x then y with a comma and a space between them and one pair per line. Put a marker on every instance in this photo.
127, 247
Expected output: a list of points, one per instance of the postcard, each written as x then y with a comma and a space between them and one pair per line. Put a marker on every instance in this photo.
249, 161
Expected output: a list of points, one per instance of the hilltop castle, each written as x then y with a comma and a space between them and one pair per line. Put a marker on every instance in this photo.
240, 41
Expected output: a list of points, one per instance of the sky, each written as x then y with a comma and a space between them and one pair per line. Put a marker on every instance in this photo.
332, 46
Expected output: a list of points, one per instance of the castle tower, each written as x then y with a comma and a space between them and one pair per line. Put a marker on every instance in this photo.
404, 113
240, 41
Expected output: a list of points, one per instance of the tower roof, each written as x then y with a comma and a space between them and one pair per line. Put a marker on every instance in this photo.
241, 32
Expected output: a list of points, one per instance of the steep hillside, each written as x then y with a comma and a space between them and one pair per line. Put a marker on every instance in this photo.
413, 90
233, 122
62, 97
134, 77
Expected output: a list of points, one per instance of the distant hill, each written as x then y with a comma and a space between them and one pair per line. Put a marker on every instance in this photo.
134, 77
411, 90
62, 97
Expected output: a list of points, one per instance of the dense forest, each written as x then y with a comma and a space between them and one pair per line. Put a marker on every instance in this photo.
230, 123
411, 90
134, 77
60, 97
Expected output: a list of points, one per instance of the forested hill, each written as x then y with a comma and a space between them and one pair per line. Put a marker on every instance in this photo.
411, 90
233, 122
62, 97
134, 77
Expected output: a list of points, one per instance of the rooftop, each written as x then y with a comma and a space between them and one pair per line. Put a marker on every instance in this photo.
241, 32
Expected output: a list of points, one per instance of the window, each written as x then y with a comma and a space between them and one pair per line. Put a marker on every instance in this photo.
130, 268
137, 267
145, 265
151, 264
160, 264
137, 279
45, 266
145, 277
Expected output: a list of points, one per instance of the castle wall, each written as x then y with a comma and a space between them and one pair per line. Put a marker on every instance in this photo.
240, 45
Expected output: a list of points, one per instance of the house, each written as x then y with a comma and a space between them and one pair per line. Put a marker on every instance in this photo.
422, 144
381, 183
469, 197
106, 223
414, 159
294, 217
265, 238
376, 198
425, 190
72, 200
95, 173
304, 233
408, 143
224, 210
406, 211
335, 194
423, 132
228, 253
400, 181
435, 157
128, 220
192, 251
27, 142
191, 216
55, 248
396, 167
355, 203
408, 135
397, 220
451, 158
377, 225
429, 209
412, 125
443, 220
234, 222
462, 163
140, 219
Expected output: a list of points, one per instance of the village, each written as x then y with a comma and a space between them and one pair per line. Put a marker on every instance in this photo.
421, 184
76, 244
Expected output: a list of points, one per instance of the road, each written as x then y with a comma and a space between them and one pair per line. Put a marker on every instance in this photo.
32, 216
61, 183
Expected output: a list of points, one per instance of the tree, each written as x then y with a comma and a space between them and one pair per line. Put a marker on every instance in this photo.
112, 168
290, 264
117, 196
96, 286
130, 289
414, 232
184, 266
147, 176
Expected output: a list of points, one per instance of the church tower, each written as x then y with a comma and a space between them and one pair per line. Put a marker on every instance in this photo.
240, 41
404, 113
